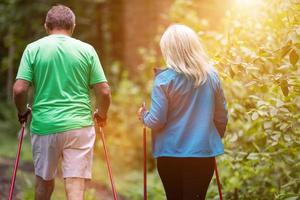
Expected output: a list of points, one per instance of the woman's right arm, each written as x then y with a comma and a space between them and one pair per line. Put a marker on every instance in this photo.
221, 112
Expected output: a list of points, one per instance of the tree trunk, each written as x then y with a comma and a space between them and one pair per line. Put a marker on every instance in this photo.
236, 194
10, 67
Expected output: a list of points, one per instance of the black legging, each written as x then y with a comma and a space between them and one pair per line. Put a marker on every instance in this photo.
185, 178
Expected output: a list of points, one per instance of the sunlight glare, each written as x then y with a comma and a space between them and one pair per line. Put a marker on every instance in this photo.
246, 3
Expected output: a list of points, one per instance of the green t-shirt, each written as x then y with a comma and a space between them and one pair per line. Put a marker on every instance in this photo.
61, 70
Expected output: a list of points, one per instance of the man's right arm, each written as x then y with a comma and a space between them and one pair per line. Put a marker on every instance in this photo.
103, 99
101, 88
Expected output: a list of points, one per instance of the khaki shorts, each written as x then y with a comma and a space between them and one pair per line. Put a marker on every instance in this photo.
74, 148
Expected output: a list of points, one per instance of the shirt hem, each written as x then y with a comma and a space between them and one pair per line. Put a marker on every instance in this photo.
98, 81
61, 130
24, 78
188, 155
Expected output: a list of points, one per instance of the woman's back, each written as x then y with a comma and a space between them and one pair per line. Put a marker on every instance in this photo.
182, 116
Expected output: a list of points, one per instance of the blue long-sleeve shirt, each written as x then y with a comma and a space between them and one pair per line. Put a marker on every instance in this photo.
186, 121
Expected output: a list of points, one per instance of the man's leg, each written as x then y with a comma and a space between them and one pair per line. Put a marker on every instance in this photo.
77, 161
75, 188
43, 189
46, 153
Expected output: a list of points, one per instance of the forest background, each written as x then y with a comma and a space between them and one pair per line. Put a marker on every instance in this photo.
255, 46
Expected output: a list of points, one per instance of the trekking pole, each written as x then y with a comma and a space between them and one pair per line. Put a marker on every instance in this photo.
108, 165
16, 164
145, 161
218, 180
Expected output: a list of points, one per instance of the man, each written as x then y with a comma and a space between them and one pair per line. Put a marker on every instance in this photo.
61, 70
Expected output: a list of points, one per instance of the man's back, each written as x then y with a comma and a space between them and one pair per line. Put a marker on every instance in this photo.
61, 70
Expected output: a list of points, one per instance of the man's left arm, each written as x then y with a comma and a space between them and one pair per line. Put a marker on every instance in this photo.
20, 93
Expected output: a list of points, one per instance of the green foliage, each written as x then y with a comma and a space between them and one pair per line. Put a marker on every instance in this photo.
8, 119
260, 72
257, 56
9, 131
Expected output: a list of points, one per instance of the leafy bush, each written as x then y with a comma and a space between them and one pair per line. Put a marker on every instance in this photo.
257, 58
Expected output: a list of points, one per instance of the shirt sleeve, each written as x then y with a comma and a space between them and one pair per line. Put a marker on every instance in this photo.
156, 118
96, 74
25, 71
221, 112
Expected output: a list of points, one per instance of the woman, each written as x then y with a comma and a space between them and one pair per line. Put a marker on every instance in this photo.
188, 116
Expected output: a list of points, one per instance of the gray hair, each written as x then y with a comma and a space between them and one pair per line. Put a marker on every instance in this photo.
60, 17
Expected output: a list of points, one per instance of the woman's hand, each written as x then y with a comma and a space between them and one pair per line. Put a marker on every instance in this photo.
141, 110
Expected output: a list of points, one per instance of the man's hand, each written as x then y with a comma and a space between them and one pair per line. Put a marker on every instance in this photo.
100, 120
20, 92
23, 117
141, 110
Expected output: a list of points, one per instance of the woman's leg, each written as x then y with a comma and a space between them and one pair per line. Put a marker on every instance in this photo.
170, 171
197, 174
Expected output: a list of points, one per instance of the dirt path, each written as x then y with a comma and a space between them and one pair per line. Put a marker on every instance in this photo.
27, 171
6, 166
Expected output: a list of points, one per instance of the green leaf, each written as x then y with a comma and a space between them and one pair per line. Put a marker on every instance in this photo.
279, 103
293, 57
254, 116
285, 50
284, 87
261, 103
252, 156
297, 45
231, 72
287, 138
250, 83
284, 110
268, 125
273, 111
292, 198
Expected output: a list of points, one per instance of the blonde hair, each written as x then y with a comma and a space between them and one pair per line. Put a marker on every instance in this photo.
183, 52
